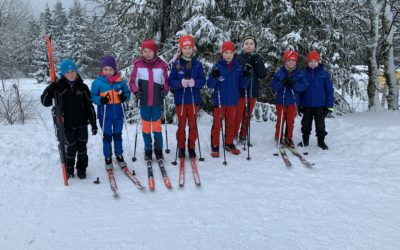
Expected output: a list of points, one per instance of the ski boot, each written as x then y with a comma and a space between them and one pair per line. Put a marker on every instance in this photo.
232, 149
121, 162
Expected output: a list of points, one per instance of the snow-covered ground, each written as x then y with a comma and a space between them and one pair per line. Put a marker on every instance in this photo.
349, 200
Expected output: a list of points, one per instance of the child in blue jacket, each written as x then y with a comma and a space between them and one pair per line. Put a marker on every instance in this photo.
287, 83
109, 91
317, 100
227, 77
187, 78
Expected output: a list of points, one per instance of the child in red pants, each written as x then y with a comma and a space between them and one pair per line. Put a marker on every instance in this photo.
287, 83
187, 78
227, 77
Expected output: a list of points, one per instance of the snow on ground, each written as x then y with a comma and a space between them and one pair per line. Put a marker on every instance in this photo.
349, 200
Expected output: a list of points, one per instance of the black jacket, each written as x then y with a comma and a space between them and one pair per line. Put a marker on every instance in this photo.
259, 73
76, 103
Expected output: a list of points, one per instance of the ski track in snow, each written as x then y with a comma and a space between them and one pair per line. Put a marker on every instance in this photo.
349, 200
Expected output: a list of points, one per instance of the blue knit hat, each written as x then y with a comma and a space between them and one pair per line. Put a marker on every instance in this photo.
67, 65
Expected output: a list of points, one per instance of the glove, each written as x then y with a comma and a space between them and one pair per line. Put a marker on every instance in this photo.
104, 100
300, 112
246, 71
185, 83
122, 97
164, 93
94, 129
289, 83
191, 83
328, 111
215, 72
254, 59
138, 94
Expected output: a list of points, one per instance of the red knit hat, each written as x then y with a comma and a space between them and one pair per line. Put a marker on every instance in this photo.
313, 55
186, 40
228, 45
148, 44
290, 55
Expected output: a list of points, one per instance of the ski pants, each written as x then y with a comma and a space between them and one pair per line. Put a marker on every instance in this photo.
227, 113
151, 122
241, 119
285, 118
112, 131
190, 115
75, 147
318, 115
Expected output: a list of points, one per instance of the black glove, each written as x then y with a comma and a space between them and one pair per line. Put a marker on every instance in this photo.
164, 93
122, 97
51, 88
246, 70
215, 72
94, 129
104, 100
300, 112
138, 94
254, 59
289, 83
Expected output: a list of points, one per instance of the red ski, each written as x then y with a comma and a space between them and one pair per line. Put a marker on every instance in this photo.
181, 172
195, 172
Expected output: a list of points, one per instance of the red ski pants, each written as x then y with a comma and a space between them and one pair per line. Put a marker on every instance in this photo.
241, 119
185, 113
228, 114
285, 116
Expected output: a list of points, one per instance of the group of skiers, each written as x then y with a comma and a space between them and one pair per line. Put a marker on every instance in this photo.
235, 79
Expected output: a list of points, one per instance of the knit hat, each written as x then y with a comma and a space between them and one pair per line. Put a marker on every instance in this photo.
148, 44
67, 65
186, 40
247, 37
313, 55
228, 45
108, 61
290, 55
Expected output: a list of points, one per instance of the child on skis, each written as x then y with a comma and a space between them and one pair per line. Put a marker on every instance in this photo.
109, 91
227, 77
248, 55
187, 78
287, 83
316, 101
78, 111
149, 83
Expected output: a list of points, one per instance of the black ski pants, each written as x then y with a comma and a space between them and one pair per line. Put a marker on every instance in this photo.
75, 143
318, 115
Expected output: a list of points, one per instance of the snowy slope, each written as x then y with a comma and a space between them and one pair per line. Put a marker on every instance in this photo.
350, 200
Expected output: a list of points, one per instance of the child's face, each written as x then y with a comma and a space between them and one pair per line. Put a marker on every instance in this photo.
313, 64
249, 46
187, 51
228, 55
290, 63
148, 54
71, 75
108, 71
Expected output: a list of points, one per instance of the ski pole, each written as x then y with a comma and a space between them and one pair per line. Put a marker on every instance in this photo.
179, 122
195, 122
248, 125
222, 128
137, 125
126, 127
97, 181
281, 123
166, 128
302, 139
246, 114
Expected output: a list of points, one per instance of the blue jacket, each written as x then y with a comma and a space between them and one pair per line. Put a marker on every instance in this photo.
229, 83
291, 94
102, 87
259, 73
319, 92
175, 77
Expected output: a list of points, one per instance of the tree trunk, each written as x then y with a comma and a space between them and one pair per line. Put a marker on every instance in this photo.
166, 7
388, 58
373, 71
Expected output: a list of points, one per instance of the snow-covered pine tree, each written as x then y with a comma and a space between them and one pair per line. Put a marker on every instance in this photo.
58, 27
